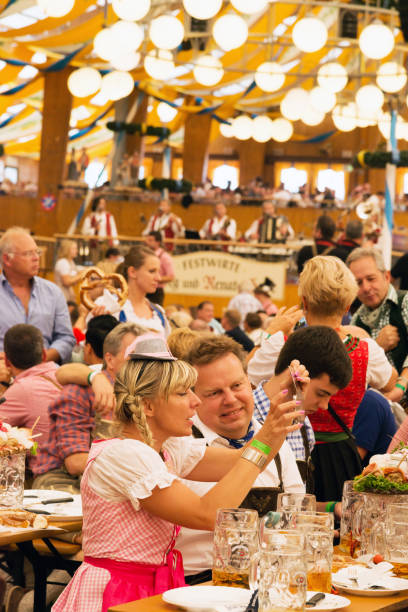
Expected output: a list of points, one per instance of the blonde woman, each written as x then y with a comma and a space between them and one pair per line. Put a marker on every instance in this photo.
66, 273
133, 500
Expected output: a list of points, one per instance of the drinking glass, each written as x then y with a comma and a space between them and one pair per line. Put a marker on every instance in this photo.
277, 539
280, 576
351, 502
313, 521
236, 540
396, 541
319, 556
288, 503
12, 474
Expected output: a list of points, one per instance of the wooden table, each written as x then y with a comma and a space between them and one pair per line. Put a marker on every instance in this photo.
393, 603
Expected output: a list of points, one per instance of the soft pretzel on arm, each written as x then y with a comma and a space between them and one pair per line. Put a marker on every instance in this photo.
94, 278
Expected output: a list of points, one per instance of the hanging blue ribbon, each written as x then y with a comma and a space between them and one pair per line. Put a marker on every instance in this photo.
318, 138
9, 119
220, 119
209, 109
14, 62
395, 154
250, 87
88, 128
16, 89
64, 61
9, 3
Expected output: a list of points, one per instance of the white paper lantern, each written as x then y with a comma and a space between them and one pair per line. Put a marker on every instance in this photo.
309, 34
84, 82
230, 32
369, 97
332, 76
343, 118
126, 37
159, 64
117, 85
131, 10
202, 9
322, 100
269, 76
376, 41
310, 115
104, 44
166, 32
365, 117
208, 70
227, 130
166, 112
293, 102
262, 128
249, 7
56, 8
242, 127
126, 61
282, 130
391, 77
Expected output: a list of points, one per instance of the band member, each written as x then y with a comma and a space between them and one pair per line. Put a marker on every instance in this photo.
165, 222
270, 227
220, 226
100, 222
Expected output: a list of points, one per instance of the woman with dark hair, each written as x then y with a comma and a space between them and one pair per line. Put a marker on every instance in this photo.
100, 222
133, 500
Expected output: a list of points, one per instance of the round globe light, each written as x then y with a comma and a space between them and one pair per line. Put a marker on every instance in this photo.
208, 70
404, 130
249, 7
262, 128
103, 44
369, 97
343, 118
129, 10
159, 64
202, 10
230, 32
227, 130
322, 100
117, 85
311, 116
166, 112
365, 117
126, 37
376, 41
84, 82
125, 61
293, 102
309, 34
391, 77
332, 76
56, 8
242, 127
166, 32
269, 76
282, 130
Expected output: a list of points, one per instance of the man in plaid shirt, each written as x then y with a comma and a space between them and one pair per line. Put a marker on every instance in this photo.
72, 418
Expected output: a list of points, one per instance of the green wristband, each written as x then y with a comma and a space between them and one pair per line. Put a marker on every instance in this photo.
330, 506
89, 378
264, 448
400, 387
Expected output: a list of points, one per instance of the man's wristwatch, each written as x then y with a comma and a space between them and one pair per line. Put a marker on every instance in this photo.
255, 456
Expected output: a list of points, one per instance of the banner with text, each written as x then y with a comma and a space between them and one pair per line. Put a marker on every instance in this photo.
219, 274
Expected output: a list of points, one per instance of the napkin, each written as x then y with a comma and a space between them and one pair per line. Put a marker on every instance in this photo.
367, 578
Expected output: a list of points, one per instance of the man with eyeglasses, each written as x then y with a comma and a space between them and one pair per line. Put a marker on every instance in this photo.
27, 298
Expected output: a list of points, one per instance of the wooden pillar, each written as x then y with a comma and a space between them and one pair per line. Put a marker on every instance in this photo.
54, 139
135, 142
251, 160
196, 142
119, 142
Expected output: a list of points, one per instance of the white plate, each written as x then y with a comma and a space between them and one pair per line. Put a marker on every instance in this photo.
205, 598
329, 603
369, 592
68, 509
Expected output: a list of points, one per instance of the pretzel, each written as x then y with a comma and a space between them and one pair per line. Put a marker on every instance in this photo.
96, 278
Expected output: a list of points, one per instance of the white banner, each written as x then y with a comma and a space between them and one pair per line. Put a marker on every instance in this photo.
218, 274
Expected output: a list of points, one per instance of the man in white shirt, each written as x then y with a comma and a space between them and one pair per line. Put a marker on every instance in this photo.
277, 231
100, 223
165, 222
225, 418
220, 226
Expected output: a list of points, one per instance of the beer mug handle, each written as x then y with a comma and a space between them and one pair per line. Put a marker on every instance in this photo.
269, 521
377, 538
253, 571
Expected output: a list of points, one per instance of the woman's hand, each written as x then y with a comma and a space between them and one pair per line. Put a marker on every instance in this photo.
282, 419
284, 320
285, 381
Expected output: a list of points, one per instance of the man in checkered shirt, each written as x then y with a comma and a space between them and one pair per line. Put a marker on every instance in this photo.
383, 313
72, 418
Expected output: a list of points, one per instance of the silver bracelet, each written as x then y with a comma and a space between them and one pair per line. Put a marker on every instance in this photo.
255, 456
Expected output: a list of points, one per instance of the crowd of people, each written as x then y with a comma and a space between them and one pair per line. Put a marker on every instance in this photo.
158, 415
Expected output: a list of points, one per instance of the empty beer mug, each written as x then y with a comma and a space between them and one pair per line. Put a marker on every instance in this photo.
236, 540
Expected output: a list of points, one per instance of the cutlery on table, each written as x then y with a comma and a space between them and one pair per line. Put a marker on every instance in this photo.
315, 599
60, 500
